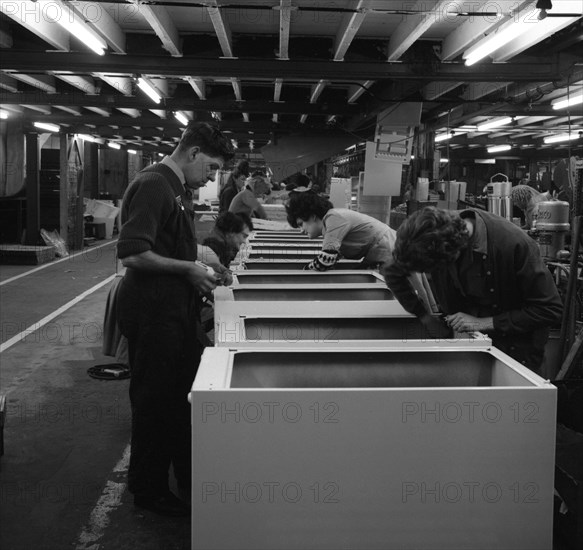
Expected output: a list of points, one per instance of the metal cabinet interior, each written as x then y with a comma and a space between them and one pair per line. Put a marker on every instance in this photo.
348, 330
378, 449
304, 293
288, 253
306, 277
226, 307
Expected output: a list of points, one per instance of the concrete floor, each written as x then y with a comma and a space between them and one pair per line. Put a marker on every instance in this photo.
63, 474
66, 434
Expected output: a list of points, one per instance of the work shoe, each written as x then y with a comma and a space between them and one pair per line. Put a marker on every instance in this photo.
166, 505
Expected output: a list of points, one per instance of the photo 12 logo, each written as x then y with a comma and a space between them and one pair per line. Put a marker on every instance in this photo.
269, 412
270, 492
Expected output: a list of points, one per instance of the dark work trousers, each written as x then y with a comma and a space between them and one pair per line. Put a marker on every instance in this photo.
158, 316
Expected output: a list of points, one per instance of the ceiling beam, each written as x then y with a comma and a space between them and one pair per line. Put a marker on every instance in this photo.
122, 84
73, 110
33, 17
531, 71
433, 90
355, 91
474, 29
348, 29
176, 104
43, 82
102, 23
159, 19
5, 35
414, 26
198, 85
222, 29
285, 10
83, 83
540, 31
8, 83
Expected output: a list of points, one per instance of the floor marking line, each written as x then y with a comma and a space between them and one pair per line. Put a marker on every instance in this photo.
34, 327
109, 500
53, 263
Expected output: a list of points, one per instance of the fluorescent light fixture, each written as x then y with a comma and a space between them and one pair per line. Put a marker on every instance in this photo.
499, 148
444, 160
443, 137
47, 126
149, 90
573, 100
73, 24
494, 123
562, 137
160, 154
86, 137
499, 38
484, 161
3, 115
113, 145
132, 152
181, 118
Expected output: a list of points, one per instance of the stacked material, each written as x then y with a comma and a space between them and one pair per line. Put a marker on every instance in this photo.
326, 417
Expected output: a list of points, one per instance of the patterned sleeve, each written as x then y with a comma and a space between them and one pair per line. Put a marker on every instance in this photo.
324, 261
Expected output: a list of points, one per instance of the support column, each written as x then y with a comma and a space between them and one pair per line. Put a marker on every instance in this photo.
32, 190
64, 188
91, 170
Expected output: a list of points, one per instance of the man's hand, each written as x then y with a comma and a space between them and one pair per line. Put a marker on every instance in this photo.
200, 278
224, 276
435, 327
463, 322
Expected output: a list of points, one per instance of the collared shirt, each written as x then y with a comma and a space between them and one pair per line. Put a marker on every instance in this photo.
175, 168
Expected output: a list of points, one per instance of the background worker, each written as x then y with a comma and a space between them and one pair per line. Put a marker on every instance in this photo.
486, 274
229, 233
349, 234
245, 202
526, 199
346, 233
158, 312
235, 183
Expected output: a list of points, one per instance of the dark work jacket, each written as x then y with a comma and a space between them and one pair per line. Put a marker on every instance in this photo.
501, 275
156, 216
226, 196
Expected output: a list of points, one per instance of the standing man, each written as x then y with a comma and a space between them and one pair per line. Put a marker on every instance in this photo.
486, 274
158, 313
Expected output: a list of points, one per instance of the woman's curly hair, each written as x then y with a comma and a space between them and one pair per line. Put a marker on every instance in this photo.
305, 205
428, 238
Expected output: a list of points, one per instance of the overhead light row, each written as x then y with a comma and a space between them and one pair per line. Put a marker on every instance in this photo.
569, 102
513, 29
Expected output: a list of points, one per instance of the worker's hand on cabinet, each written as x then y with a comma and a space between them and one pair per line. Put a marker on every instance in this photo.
435, 326
463, 322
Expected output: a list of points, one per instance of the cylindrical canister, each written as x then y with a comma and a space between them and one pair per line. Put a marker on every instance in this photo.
552, 216
499, 201
552, 224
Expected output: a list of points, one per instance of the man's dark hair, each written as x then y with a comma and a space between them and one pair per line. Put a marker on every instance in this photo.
428, 238
305, 205
209, 138
241, 169
228, 222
